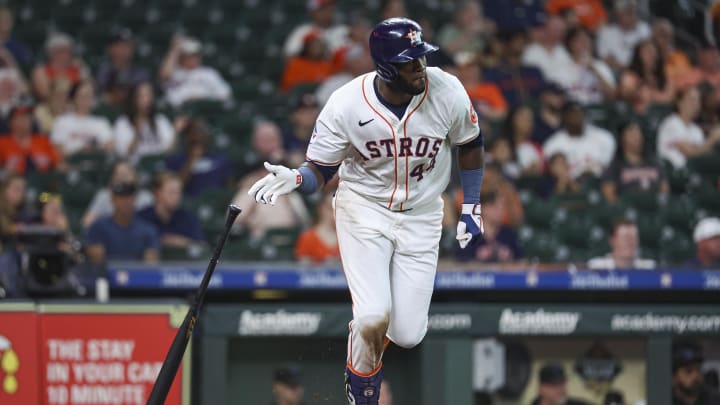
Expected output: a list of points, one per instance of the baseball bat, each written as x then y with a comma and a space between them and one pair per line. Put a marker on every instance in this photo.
182, 337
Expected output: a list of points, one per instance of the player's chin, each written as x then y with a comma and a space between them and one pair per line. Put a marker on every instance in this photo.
417, 86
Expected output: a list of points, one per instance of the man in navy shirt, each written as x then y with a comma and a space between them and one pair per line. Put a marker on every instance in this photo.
199, 168
122, 236
177, 226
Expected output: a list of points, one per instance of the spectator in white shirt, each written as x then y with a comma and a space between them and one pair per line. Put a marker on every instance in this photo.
548, 53
143, 131
586, 79
322, 14
587, 148
79, 131
185, 78
679, 137
624, 250
13, 86
616, 41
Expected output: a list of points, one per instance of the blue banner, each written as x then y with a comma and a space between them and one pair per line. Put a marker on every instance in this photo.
300, 278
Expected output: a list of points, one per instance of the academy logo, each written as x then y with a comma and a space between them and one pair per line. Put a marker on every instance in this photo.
9, 364
279, 322
538, 322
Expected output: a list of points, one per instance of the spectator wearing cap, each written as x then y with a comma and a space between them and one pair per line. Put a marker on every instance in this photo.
632, 169
355, 61
142, 130
590, 14
119, 67
586, 79
547, 52
679, 137
552, 387
302, 121
23, 151
312, 66
176, 226
468, 31
548, 116
200, 169
707, 243
518, 82
185, 78
486, 96
587, 148
17, 49
688, 385
287, 388
79, 130
122, 235
61, 65
624, 250
322, 21
616, 41
101, 205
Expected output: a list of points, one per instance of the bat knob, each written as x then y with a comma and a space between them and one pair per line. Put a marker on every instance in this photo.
233, 212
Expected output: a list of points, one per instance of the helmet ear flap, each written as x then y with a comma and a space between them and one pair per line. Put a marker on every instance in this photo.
386, 71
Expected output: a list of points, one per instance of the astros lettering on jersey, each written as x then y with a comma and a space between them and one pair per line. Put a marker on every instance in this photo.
399, 163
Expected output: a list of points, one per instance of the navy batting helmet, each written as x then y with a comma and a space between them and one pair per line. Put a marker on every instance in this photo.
397, 40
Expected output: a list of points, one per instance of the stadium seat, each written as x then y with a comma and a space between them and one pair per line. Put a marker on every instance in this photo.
538, 213
279, 243
540, 246
679, 213
148, 166
646, 202
188, 253
676, 248
708, 200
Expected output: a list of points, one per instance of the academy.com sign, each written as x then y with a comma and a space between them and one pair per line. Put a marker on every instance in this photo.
678, 324
279, 322
538, 322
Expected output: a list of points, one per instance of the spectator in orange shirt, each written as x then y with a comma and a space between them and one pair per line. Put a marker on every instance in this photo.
677, 65
319, 243
21, 151
312, 65
590, 13
485, 95
62, 65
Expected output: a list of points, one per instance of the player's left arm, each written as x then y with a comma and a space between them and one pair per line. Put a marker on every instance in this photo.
471, 159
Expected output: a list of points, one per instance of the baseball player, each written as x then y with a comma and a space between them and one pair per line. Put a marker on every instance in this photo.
389, 133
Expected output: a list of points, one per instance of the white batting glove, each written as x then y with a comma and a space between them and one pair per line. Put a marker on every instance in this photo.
470, 224
279, 181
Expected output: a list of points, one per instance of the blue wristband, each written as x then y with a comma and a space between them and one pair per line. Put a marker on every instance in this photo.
309, 180
471, 181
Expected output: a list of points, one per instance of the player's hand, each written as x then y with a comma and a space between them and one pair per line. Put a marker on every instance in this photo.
470, 224
279, 181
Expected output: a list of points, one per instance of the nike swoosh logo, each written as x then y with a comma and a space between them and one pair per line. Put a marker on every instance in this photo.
362, 124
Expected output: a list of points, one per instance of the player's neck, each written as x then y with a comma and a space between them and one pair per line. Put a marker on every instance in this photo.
391, 95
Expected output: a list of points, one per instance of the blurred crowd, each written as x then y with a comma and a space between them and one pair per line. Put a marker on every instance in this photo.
601, 123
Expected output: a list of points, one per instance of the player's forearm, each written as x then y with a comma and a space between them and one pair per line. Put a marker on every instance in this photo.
314, 177
471, 160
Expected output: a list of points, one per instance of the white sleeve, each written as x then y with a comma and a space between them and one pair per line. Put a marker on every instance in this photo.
294, 42
165, 132
604, 42
220, 89
328, 144
665, 139
464, 127
552, 146
605, 73
104, 134
58, 136
123, 134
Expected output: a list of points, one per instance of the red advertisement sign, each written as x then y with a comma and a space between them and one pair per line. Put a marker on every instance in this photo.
19, 373
104, 358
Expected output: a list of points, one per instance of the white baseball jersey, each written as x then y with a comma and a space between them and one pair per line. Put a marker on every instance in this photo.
399, 163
